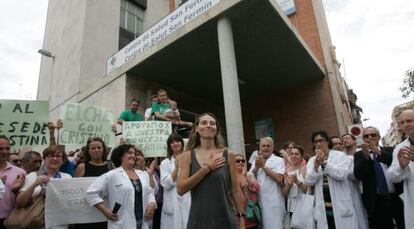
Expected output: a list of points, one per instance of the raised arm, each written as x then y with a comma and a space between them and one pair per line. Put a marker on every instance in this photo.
399, 169
312, 174
168, 175
185, 182
338, 170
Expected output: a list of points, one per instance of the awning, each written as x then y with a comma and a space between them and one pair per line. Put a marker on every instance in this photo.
269, 52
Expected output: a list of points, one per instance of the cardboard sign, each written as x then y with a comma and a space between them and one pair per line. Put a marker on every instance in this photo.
66, 202
149, 136
25, 122
81, 122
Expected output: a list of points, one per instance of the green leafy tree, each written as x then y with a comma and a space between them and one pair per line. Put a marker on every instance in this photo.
408, 83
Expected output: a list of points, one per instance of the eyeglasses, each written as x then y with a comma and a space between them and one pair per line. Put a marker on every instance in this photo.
5, 148
15, 161
240, 161
368, 135
319, 141
58, 156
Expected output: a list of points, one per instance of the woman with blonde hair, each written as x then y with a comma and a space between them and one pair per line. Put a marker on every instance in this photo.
249, 188
208, 171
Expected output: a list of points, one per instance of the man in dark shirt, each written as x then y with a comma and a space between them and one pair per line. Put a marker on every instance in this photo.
380, 196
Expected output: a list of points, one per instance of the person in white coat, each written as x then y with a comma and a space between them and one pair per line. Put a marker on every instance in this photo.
402, 167
269, 171
128, 187
333, 199
349, 143
175, 208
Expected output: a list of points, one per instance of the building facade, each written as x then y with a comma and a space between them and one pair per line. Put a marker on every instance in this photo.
263, 67
394, 134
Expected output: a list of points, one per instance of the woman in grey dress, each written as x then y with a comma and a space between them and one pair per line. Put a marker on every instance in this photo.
208, 171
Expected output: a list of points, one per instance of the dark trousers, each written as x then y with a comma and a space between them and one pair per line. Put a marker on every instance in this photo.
389, 208
156, 222
1, 224
331, 222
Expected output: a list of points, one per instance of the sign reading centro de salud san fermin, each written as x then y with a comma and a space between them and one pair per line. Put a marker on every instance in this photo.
178, 18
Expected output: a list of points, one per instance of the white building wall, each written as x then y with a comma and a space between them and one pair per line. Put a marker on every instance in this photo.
82, 35
63, 37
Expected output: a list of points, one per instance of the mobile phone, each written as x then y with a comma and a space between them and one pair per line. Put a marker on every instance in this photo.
116, 208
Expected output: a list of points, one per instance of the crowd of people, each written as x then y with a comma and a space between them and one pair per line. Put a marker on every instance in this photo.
204, 184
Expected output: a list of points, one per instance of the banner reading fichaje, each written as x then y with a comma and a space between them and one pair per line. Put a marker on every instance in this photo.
66, 202
149, 136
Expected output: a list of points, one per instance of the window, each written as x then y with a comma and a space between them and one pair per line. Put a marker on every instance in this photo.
131, 21
132, 17
180, 2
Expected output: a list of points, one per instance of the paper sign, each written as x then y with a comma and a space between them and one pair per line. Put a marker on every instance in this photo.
66, 202
81, 122
25, 122
149, 136
264, 128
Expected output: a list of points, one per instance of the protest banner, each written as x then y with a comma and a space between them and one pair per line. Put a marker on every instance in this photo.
81, 122
149, 136
25, 122
66, 202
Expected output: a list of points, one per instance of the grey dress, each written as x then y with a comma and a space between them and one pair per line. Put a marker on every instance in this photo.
211, 207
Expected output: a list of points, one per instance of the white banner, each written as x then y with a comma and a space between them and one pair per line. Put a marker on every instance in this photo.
66, 203
81, 122
176, 19
149, 136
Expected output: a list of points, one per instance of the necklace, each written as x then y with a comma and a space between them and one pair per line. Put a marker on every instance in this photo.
135, 183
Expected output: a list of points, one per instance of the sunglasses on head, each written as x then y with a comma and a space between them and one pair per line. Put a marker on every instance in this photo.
240, 161
372, 135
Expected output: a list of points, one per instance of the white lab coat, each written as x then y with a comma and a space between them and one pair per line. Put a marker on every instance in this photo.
396, 174
356, 187
340, 189
175, 208
115, 186
270, 197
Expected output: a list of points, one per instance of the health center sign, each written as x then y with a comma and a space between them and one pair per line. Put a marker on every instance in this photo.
175, 20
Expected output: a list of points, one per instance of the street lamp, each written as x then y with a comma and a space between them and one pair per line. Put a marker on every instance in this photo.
46, 53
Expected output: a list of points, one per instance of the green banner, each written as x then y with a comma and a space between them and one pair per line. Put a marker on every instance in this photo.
25, 122
149, 136
81, 122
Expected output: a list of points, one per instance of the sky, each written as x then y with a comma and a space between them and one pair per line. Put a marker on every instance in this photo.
374, 40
